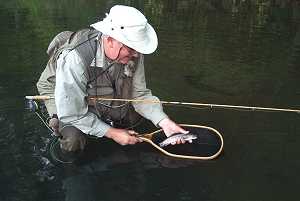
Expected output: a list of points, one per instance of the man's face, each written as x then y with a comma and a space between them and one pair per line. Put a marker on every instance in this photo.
126, 54
119, 52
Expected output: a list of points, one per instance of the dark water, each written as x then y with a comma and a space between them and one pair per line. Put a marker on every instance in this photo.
226, 52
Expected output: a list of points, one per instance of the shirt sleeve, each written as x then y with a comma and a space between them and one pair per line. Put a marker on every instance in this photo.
152, 111
45, 86
70, 93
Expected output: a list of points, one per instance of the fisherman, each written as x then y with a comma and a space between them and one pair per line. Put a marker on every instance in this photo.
105, 60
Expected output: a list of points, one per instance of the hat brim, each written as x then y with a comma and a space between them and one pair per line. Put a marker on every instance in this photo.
146, 46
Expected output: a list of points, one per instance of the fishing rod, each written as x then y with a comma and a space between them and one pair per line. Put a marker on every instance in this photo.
207, 105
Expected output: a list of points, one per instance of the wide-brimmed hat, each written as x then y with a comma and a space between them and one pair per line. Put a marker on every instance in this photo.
130, 27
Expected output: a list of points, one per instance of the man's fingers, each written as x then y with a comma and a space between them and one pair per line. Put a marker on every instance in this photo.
132, 132
132, 141
139, 139
184, 131
133, 137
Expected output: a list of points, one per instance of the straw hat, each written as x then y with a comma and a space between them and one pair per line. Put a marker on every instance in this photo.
130, 27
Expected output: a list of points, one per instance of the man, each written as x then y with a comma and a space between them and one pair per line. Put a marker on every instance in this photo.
106, 61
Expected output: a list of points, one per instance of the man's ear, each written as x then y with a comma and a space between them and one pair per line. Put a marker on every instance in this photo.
110, 41
113, 43
112, 47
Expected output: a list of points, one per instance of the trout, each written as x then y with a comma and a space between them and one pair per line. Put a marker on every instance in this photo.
174, 138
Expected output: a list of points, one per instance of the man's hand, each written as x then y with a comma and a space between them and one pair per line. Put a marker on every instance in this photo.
123, 136
54, 123
170, 127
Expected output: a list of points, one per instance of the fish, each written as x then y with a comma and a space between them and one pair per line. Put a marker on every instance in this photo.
174, 138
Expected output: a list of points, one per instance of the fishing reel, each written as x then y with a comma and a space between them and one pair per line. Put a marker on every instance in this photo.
31, 105
34, 106
38, 108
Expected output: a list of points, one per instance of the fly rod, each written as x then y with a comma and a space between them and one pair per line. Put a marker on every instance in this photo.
208, 105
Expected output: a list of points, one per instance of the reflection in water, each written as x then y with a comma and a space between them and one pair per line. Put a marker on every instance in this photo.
122, 170
107, 167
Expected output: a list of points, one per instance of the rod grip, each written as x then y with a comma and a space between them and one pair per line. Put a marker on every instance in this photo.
38, 97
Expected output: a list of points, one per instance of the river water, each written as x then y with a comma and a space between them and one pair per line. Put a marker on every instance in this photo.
222, 52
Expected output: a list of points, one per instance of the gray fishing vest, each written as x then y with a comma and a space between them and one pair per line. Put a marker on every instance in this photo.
108, 82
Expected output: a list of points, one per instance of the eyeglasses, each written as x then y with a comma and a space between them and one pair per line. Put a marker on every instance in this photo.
129, 49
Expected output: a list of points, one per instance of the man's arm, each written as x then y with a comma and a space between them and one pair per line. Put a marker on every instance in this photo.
152, 111
70, 93
72, 108
45, 86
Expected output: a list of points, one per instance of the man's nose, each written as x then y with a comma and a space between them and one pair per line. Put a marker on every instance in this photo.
135, 54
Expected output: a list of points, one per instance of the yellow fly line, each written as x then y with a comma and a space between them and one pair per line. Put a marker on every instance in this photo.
206, 105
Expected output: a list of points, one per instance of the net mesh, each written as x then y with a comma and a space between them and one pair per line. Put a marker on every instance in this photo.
208, 142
